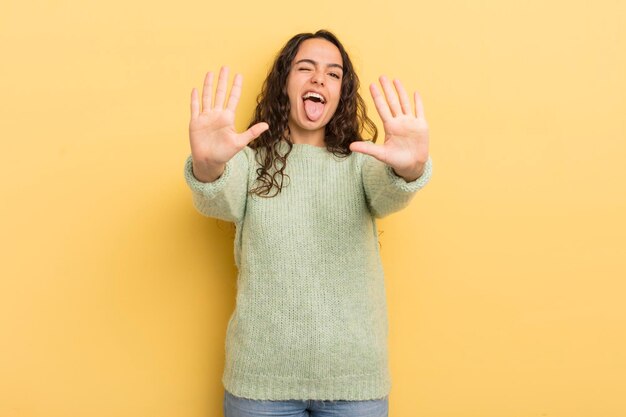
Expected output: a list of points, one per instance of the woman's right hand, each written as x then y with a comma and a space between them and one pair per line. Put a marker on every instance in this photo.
212, 134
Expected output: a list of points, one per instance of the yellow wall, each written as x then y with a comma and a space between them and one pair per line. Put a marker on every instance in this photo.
505, 276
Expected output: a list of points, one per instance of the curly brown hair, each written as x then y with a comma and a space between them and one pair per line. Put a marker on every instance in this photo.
346, 125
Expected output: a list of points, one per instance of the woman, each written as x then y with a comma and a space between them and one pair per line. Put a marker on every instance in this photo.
309, 332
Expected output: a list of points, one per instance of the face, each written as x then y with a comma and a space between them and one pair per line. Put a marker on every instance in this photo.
314, 85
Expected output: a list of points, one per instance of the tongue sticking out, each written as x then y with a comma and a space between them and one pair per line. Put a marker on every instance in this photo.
313, 109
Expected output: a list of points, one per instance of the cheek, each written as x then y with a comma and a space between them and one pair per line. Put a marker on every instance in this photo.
291, 87
293, 91
292, 97
337, 90
337, 96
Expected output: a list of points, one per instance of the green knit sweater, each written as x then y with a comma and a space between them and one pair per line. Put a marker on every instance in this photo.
310, 320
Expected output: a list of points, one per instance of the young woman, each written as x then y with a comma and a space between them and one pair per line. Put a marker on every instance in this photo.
309, 332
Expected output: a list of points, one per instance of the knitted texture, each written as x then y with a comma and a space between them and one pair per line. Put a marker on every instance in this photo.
310, 320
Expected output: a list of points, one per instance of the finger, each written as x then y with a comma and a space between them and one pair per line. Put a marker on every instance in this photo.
254, 132
419, 106
368, 148
404, 97
381, 105
220, 94
235, 93
194, 103
392, 97
207, 91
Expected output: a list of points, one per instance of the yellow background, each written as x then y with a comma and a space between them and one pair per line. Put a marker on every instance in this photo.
505, 275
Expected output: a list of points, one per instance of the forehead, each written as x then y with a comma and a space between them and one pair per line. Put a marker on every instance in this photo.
319, 50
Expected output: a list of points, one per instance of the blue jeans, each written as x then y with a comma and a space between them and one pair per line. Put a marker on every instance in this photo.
243, 407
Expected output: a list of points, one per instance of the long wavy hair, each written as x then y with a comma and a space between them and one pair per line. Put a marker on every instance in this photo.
346, 126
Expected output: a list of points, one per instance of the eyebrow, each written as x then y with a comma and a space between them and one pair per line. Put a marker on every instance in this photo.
310, 61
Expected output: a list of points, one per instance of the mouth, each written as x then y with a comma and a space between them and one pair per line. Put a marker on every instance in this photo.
313, 105
313, 96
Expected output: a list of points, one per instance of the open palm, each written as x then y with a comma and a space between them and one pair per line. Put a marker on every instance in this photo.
212, 135
406, 132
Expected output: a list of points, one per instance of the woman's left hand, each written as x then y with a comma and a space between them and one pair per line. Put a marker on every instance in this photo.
406, 132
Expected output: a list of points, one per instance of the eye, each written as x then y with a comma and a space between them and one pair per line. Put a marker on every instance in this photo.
304, 69
335, 75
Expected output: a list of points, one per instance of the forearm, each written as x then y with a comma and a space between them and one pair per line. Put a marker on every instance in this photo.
224, 197
387, 192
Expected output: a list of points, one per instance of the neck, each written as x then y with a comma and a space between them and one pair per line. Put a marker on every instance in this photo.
307, 137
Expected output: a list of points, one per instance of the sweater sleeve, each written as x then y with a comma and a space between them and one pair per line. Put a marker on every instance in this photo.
387, 192
224, 198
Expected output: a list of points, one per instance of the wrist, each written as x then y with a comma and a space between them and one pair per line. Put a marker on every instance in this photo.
205, 171
411, 174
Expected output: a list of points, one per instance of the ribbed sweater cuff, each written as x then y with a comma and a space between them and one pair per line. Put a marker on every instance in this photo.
207, 189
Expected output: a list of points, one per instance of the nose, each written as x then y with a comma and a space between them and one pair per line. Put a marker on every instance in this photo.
318, 77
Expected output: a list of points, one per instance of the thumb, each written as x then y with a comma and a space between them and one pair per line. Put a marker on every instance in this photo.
369, 148
254, 132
